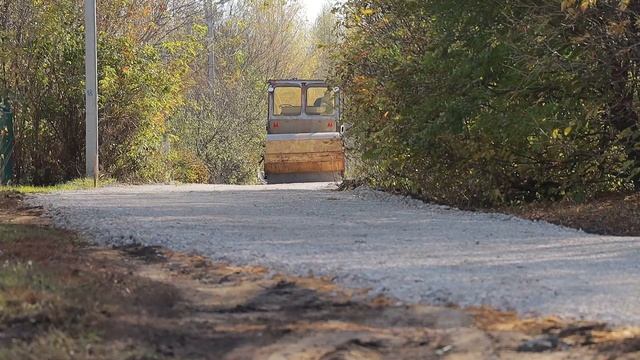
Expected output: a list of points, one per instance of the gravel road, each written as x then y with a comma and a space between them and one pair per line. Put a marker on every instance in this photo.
407, 249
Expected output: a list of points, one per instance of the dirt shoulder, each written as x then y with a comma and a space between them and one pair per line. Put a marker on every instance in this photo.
68, 300
614, 214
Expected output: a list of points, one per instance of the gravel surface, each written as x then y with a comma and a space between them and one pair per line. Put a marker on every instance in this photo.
402, 247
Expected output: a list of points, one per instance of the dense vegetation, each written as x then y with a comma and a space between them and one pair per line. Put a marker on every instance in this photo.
487, 102
182, 85
467, 103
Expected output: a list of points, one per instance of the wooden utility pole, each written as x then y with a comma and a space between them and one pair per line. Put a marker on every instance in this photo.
91, 69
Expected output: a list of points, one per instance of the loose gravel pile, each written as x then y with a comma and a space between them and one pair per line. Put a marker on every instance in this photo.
399, 246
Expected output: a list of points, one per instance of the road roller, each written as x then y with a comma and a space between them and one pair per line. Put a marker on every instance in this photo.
304, 134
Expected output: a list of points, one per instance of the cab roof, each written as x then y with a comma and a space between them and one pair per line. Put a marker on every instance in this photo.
297, 82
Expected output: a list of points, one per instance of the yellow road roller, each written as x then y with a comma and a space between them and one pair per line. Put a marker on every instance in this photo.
304, 134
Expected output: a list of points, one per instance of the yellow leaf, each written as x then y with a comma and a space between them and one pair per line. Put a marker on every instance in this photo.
586, 4
567, 4
618, 28
624, 4
366, 12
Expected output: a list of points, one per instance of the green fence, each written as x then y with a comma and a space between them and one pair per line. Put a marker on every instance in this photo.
7, 141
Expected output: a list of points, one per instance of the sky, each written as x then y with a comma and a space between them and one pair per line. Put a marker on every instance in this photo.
312, 8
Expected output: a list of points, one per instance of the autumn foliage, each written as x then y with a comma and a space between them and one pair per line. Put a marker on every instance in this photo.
182, 85
486, 102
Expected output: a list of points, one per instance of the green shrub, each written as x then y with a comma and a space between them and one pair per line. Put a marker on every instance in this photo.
483, 103
188, 168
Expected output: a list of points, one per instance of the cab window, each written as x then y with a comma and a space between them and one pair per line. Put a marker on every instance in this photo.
287, 101
320, 101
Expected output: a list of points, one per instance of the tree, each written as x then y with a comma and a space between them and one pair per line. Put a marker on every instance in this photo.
177, 102
225, 124
143, 72
325, 39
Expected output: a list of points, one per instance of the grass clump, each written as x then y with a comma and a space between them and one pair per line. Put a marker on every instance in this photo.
78, 184
25, 293
58, 345
12, 232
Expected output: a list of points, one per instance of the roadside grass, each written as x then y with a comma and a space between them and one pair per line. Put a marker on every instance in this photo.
38, 317
26, 294
58, 345
50, 299
78, 184
607, 214
14, 232
29, 291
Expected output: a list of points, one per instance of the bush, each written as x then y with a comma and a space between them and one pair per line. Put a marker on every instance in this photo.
142, 80
477, 104
188, 168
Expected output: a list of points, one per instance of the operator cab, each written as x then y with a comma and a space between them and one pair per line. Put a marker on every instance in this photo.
302, 106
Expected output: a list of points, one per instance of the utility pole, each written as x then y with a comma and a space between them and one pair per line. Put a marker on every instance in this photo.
210, 16
210, 10
91, 68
